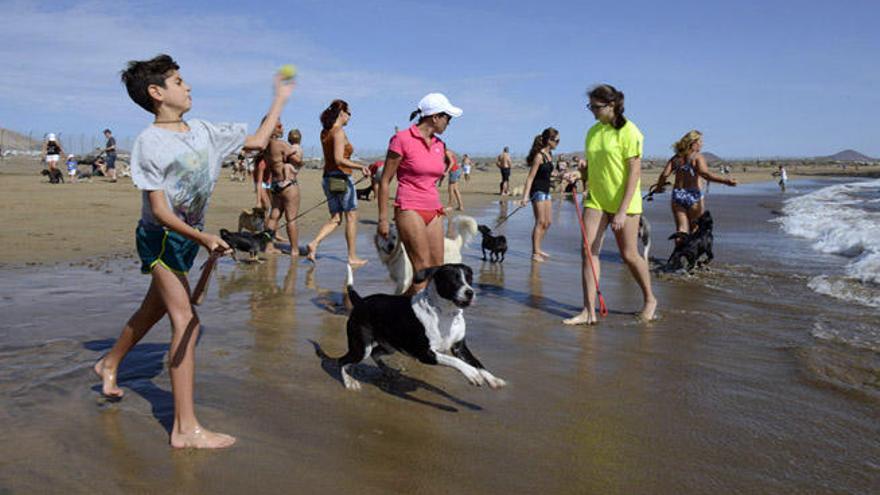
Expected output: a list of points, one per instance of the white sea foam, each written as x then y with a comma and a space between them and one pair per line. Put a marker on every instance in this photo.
843, 220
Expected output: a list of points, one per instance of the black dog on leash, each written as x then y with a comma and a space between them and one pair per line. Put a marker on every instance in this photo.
55, 176
495, 244
247, 241
365, 193
694, 249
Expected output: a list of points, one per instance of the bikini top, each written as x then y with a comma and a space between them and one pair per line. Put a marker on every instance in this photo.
686, 167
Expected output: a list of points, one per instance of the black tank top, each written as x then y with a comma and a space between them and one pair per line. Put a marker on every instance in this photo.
541, 182
52, 148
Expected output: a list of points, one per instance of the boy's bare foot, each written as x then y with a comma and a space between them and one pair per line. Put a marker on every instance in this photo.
544, 254
108, 377
585, 317
200, 438
356, 262
649, 310
537, 257
312, 252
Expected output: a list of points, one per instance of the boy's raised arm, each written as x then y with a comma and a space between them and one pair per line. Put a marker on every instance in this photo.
260, 139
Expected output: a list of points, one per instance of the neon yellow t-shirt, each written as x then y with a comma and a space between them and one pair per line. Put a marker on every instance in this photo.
607, 150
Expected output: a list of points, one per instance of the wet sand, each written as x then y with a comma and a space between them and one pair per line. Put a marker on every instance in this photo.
732, 390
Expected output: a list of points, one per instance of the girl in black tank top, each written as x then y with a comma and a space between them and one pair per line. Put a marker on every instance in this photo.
537, 187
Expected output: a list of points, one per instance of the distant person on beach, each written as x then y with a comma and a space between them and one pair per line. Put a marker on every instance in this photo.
339, 187
783, 177
613, 152
454, 172
110, 153
466, 166
416, 159
175, 163
52, 151
504, 163
284, 187
71, 167
537, 187
689, 166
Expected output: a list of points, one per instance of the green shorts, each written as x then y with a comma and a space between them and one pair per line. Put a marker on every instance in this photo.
169, 249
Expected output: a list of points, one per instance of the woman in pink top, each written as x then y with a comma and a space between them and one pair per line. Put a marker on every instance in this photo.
416, 156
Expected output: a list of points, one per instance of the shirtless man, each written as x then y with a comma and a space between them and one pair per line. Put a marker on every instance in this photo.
282, 163
503, 163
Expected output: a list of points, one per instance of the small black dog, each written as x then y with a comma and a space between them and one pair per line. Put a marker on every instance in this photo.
495, 244
694, 249
247, 241
55, 176
365, 193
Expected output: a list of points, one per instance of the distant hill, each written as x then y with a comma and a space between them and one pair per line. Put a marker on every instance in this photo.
711, 157
11, 140
848, 156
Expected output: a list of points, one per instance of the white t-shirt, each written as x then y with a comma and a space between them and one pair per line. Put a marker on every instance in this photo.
185, 165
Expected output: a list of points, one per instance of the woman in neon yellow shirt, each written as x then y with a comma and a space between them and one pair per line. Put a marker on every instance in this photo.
613, 152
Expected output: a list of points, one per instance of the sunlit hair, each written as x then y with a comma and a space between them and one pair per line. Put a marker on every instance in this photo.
683, 146
541, 141
330, 114
139, 75
608, 94
294, 136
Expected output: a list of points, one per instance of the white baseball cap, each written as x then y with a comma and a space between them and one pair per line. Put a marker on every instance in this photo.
50, 137
434, 103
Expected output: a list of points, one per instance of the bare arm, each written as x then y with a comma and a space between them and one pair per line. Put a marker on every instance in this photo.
260, 139
392, 161
703, 171
664, 175
635, 173
533, 170
339, 139
160, 210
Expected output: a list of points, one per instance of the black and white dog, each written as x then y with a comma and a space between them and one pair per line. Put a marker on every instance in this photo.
495, 244
694, 249
428, 326
645, 236
247, 241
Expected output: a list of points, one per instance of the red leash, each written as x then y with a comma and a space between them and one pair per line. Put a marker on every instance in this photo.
603, 310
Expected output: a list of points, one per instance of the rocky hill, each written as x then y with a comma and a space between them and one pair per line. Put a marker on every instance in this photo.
848, 156
11, 140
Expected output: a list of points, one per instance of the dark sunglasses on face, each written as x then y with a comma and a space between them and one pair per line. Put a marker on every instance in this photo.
591, 106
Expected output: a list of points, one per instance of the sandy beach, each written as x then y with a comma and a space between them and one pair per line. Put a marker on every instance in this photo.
747, 383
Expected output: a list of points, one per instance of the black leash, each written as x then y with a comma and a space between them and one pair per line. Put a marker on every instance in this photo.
653, 190
508, 216
301, 214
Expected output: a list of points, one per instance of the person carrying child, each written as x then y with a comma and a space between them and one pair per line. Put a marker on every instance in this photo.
176, 164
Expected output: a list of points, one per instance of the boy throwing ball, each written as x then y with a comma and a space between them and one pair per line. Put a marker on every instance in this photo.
176, 163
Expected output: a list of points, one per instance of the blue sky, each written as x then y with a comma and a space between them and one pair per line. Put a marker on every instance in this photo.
771, 78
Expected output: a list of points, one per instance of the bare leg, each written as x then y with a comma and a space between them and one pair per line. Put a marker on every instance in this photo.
151, 311
186, 432
627, 242
290, 199
351, 238
457, 192
326, 230
596, 222
423, 243
542, 223
272, 222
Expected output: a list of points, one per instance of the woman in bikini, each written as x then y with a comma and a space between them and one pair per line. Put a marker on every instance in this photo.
416, 157
688, 165
537, 188
338, 167
283, 164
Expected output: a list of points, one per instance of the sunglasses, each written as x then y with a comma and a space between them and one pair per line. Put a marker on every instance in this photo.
590, 106
555, 140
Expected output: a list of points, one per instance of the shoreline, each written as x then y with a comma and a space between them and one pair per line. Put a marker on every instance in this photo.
79, 223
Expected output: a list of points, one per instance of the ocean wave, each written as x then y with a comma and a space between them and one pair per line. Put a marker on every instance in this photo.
842, 220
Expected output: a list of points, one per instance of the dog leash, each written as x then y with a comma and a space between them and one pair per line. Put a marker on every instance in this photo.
520, 207
301, 214
603, 310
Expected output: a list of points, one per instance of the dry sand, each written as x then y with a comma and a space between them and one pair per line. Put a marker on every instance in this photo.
46, 223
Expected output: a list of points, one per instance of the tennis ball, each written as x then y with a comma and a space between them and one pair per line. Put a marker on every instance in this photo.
287, 71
